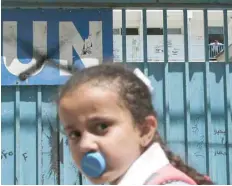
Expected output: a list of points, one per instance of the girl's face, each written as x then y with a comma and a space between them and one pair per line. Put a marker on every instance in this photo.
94, 119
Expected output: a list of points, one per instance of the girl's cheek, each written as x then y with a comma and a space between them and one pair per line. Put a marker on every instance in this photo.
74, 149
76, 156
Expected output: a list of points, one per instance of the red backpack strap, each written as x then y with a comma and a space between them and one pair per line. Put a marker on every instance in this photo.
169, 174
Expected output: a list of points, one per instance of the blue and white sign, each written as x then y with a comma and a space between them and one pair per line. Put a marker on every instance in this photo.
82, 37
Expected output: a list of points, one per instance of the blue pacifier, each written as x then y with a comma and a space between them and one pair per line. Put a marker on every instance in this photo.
93, 164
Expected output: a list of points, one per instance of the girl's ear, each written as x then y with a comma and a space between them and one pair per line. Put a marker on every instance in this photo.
147, 130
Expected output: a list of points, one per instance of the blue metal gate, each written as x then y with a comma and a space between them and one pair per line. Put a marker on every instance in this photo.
193, 101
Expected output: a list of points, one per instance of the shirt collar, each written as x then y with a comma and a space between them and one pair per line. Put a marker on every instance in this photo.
148, 163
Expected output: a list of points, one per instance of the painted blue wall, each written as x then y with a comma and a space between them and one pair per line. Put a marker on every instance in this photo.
29, 114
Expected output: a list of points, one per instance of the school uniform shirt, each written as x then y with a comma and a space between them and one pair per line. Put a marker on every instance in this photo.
147, 164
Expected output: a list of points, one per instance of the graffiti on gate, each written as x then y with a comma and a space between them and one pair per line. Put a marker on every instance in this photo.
173, 49
8, 153
201, 142
221, 134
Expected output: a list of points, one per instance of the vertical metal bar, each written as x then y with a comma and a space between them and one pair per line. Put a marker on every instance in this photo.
165, 32
58, 149
80, 178
62, 146
206, 35
124, 35
186, 83
17, 177
206, 90
226, 45
165, 85
228, 111
226, 93
227, 82
39, 137
186, 41
145, 42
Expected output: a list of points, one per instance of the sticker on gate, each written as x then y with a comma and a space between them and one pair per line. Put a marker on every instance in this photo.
44, 46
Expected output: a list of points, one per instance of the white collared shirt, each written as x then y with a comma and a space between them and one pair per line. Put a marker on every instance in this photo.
148, 163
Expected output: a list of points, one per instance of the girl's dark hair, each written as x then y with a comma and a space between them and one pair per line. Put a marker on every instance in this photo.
135, 95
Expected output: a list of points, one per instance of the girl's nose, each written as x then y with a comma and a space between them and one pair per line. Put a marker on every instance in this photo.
88, 143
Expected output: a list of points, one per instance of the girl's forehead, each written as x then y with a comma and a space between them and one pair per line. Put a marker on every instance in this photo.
91, 98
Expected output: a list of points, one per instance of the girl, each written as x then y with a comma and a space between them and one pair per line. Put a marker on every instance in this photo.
108, 109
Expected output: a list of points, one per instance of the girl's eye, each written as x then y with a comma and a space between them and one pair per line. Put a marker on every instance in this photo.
74, 135
102, 127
